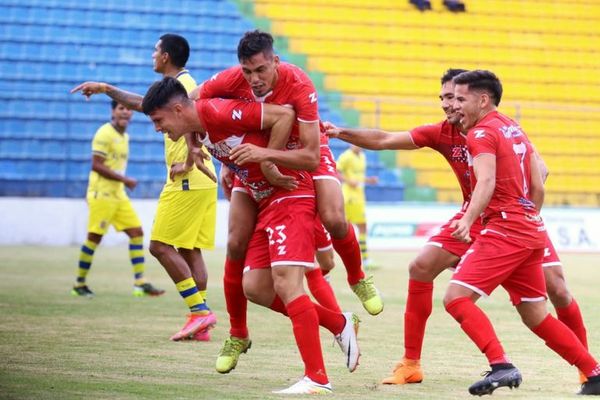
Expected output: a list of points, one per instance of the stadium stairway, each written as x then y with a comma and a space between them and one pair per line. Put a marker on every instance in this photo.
385, 59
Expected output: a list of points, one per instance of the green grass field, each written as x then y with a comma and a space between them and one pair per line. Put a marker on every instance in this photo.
115, 346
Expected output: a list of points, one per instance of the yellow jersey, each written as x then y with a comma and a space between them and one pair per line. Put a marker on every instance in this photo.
353, 167
176, 152
114, 148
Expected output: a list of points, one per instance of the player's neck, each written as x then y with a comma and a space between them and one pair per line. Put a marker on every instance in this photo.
172, 71
117, 128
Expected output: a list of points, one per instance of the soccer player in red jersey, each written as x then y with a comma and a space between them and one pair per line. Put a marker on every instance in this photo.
262, 77
442, 250
507, 195
282, 244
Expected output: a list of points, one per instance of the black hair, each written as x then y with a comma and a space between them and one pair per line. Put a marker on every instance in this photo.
113, 104
254, 42
482, 80
161, 93
451, 73
177, 47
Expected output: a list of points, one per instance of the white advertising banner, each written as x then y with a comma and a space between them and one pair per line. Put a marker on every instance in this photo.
408, 226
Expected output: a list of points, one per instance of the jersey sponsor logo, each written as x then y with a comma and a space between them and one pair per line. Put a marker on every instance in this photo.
479, 133
547, 252
313, 97
236, 114
509, 131
281, 250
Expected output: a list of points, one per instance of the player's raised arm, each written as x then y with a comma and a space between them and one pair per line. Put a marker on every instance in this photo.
130, 100
372, 139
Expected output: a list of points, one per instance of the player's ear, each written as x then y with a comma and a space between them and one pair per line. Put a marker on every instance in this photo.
276, 60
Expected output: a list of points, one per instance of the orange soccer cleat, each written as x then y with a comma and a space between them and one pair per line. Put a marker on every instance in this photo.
406, 371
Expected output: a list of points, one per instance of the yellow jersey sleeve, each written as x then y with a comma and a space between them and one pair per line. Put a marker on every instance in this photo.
176, 152
114, 148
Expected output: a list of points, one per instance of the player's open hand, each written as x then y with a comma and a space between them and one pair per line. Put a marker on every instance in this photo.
178, 169
130, 183
247, 153
461, 230
276, 178
90, 88
331, 130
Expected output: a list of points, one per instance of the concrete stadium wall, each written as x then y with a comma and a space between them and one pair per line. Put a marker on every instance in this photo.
62, 222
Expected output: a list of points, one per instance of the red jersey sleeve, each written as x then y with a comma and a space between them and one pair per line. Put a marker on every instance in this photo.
482, 141
427, 135
305, 102
221, 84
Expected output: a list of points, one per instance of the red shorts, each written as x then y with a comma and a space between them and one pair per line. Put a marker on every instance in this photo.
284, 235
327, 167
444, 239
493, 261
322, 237
550, 256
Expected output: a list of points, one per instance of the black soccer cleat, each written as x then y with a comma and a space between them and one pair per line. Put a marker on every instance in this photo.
591, 387
501, 375
82, 291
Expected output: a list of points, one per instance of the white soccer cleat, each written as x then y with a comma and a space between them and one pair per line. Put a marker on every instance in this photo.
347, 341
306, 386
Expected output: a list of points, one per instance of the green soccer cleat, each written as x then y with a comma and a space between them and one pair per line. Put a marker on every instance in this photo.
82, 291
368, 295
146, 289
230, 354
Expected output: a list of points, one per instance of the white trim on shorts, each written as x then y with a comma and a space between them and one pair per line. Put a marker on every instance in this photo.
326, 248
307, 122
532, 299
292, 264
473, 288
322, 177
436, 244
240, 190
552, 264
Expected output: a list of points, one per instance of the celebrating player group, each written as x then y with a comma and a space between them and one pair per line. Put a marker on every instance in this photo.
260, 120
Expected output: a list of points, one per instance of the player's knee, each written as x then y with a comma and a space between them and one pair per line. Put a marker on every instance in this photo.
559, 295
236, 247
157, 249
255, 293
335, 223
421, 271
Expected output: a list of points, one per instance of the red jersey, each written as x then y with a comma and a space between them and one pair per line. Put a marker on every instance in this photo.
509, 212
447, 139
229, 123
293, 88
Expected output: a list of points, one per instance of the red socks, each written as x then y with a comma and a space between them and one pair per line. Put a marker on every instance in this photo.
564, 342
418, 310
349, 251
571, 317
305, 323
330, 320
234, 297
478, 327
322, 290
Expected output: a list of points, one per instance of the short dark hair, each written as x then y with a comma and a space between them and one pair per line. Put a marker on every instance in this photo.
254, 42
451, 73
114, 104
482, 80
177, 47
161, 93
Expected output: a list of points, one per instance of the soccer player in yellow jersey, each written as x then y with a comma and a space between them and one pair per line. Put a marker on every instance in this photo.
186, 215
109, 204
352, 166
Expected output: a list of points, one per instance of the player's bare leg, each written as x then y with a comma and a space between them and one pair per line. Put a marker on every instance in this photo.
567, 309
242, 218
200, 316
428, 264
330, 205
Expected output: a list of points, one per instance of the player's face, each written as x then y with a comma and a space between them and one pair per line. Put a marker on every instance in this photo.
158, 58
447, 99
167, 120
467, 105
260, 71
121, 116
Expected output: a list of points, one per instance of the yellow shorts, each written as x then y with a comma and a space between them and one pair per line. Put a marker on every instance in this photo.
355, 205
186, 218
105, 212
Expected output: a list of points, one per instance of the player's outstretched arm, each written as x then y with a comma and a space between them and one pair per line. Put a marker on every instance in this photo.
372, 139
101, 168
130, 100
